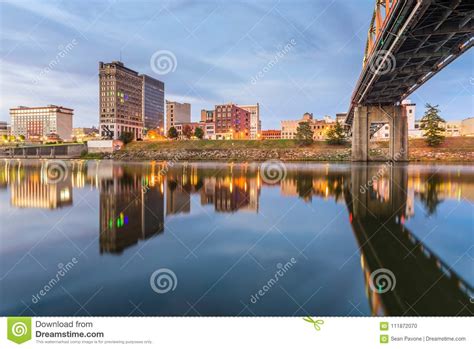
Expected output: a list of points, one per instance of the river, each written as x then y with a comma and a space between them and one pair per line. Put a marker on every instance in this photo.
148, 238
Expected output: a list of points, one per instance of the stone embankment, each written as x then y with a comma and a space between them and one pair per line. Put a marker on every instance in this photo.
292, 154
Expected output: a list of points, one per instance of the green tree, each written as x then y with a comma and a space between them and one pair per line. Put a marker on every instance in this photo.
21, 138
5, 138
172, 133
198, 133
126, 137
336, 134
187, 131
430, 123
304, 133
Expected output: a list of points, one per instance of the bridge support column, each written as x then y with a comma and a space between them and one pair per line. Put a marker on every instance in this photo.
360, 134
395, 116
399, 135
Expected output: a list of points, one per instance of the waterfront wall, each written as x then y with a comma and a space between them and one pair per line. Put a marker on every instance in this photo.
66, 151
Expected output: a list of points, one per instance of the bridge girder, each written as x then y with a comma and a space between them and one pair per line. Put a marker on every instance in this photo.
421, 37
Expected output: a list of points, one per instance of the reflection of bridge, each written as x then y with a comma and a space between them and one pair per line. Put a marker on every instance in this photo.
408, 42
424, 284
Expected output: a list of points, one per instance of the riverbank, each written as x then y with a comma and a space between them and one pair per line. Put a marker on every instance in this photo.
452, 149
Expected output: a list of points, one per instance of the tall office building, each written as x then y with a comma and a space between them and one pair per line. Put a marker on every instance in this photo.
255, 124
177, 113
37, 122
153, 102
120, 100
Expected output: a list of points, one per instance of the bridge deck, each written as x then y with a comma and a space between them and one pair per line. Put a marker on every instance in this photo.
419, 38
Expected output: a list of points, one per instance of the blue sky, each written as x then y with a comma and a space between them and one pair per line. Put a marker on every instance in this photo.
225, 52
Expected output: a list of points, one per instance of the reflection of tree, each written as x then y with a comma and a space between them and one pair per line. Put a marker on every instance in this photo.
335, 186
304, 185
429, 197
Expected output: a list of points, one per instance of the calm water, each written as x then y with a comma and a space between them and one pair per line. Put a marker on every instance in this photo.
92, 238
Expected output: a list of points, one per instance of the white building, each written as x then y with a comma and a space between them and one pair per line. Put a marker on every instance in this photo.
38, 122
255, 124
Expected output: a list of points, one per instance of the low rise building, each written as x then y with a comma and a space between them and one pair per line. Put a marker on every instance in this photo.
452, 128
231, 122
40, 122
81, 134
271, 134
4, 129
341, 118
467, 127
319, 127
209, 129
182, 127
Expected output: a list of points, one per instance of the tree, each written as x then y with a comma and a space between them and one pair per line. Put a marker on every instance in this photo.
5, 138
198, 133
430, 196
126, 137
187, 131
336, 134
430, 123
21, 138
304, 133
172, 133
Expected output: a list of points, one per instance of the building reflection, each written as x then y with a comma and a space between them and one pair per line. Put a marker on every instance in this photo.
131, 206
33, 186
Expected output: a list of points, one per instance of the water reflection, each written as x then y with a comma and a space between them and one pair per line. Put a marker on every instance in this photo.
136, 201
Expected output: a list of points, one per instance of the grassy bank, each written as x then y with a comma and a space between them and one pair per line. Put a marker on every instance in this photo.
452, 149
221, 144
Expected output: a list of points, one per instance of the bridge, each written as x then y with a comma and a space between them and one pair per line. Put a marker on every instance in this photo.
408, 42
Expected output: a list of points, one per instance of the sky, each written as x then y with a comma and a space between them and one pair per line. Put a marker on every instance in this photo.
291, 56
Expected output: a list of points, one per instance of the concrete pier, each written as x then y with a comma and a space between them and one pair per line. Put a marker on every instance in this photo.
395, 116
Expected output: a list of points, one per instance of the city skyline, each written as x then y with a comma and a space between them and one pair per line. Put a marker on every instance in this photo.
315, 72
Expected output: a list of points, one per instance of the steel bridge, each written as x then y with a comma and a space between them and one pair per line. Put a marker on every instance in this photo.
408, 42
